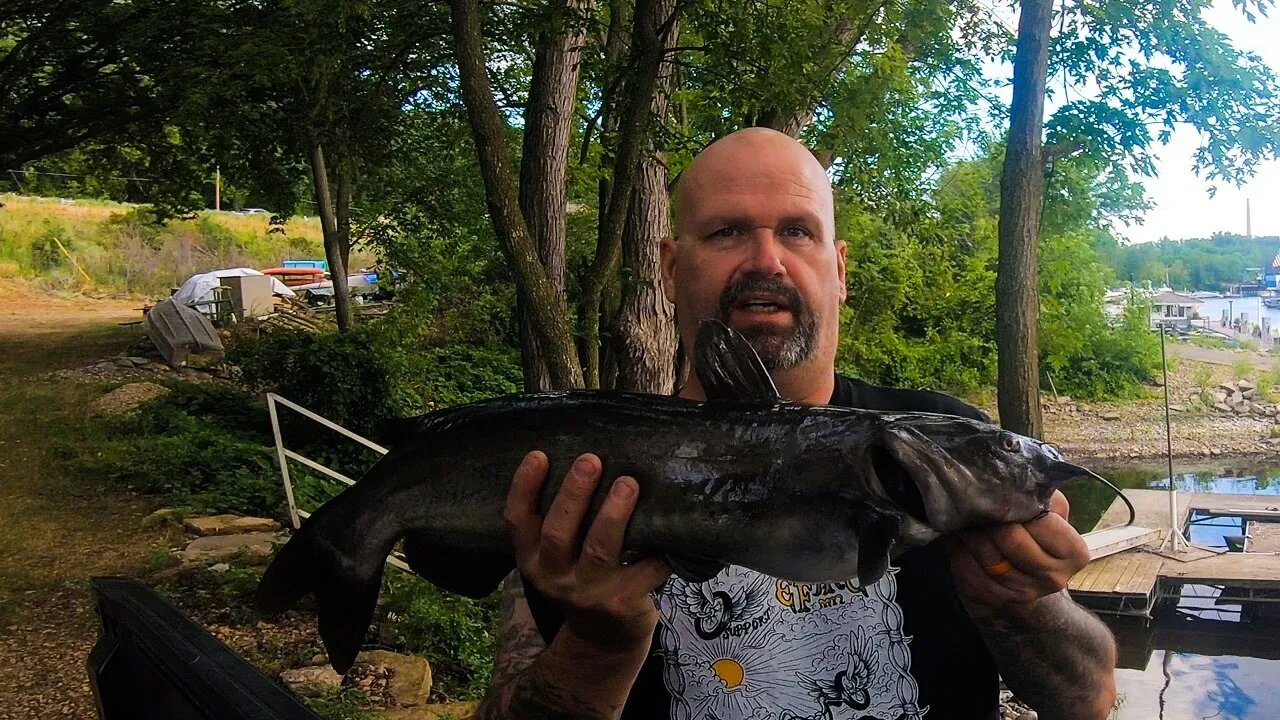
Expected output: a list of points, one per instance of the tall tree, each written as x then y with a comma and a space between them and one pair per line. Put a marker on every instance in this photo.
1021, 194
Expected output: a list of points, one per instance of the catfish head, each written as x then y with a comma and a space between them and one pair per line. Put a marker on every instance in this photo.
948, 473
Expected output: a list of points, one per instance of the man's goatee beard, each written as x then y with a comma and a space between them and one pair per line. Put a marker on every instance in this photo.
778, 350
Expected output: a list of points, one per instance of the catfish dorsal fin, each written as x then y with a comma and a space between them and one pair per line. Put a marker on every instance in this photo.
729, 368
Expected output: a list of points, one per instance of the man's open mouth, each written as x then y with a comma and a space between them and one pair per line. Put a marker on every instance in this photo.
760, 303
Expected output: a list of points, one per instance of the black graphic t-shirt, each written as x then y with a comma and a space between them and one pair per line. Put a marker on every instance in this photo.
745, 646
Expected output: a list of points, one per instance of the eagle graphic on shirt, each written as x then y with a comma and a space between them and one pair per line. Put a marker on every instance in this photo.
747, 646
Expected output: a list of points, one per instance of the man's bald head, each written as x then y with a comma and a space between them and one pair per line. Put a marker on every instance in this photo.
746, 156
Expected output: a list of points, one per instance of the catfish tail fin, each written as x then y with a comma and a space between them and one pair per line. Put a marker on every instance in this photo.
345, 584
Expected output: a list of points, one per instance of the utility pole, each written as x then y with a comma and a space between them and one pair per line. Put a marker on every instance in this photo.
1248, 219
217, 187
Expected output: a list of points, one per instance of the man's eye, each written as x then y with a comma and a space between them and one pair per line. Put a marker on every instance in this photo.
725, 232
795, 231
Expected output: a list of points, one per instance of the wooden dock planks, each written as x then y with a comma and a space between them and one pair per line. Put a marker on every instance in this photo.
1129, 573
1134, 570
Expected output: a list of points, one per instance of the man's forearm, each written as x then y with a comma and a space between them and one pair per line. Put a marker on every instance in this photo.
1055, 656
570, 680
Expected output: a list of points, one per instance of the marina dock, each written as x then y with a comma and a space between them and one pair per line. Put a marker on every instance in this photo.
1133, 568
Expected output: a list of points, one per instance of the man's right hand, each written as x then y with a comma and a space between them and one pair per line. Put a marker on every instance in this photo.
606, 604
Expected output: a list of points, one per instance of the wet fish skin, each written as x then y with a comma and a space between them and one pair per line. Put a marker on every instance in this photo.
804, 493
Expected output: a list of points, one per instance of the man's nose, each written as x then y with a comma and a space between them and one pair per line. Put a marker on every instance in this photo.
766, 254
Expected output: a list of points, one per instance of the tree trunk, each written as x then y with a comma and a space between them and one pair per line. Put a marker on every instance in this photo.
332, 240
548, 315
652, 22
553, 94
1021, 194
644, 338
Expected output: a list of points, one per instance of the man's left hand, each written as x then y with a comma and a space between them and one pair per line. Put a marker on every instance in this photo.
1003, 570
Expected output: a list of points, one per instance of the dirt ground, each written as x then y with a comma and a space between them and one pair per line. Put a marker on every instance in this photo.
55, 535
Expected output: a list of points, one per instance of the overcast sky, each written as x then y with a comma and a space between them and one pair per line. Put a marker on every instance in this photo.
1183, 207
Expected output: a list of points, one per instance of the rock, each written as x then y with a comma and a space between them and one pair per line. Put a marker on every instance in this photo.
1235, 399
1220, 396
1221, 407
434, 711
1064, 400
410, 675
137, 360
318, 660
127, 398
1174, 407
312, 681
1250, 394
219, 568
1246, 386
162, 516
228, 525
1228, 387
124, 362
218, 548
1110, 416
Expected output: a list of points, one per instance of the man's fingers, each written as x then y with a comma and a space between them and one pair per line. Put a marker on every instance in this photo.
521, 512
975, 583
982, 548
1056, 537
560, 528
1058, 504
603, 544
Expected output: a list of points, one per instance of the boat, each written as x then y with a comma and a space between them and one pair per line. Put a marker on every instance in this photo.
179, 332
296, 276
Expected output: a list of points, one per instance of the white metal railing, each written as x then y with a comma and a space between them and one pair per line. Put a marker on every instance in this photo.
284, 455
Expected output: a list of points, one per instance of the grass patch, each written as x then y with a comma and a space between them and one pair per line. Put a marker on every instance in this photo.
121, 247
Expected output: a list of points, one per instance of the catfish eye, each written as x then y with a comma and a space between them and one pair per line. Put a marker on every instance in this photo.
1009, 442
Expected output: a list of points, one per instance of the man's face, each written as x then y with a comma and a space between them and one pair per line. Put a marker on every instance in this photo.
754, 248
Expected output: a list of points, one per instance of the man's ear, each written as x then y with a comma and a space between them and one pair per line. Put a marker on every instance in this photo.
667, 258
841, 249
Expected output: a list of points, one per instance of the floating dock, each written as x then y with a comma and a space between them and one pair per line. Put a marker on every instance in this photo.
1133, 568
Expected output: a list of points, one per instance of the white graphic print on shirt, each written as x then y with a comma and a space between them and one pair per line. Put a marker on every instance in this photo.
747, 646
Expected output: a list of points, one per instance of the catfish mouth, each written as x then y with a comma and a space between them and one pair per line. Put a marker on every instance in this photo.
897, 484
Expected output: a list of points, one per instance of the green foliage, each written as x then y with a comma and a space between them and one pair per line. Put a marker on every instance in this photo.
200, 446
459, 635
921, 309
1206, 264
379, 371
1244, 368
45, 253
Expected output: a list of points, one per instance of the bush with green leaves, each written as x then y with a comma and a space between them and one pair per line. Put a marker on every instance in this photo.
201, 446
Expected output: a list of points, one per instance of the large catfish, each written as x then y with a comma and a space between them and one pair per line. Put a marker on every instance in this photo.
804, 493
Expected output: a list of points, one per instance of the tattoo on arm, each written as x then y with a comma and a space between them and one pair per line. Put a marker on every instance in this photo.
519, 646
516, 689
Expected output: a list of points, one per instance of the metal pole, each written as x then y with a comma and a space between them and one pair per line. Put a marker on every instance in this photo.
284, 461
217, 187
1175, 535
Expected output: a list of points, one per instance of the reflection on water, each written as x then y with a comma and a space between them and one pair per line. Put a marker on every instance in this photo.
1204, 655
1183, 686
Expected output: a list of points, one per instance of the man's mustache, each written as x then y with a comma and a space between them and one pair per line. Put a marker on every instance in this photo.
760, 284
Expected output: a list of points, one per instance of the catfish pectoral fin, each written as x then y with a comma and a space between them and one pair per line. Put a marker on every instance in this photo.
473, 574
876, 538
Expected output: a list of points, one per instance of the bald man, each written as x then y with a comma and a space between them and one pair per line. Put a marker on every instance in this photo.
587, 637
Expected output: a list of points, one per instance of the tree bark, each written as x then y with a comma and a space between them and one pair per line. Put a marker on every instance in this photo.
644, 338
547, 312
652, 23
544, 159
1021, 194
332, 240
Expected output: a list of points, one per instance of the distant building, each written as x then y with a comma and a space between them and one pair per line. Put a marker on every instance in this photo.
1171, 308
